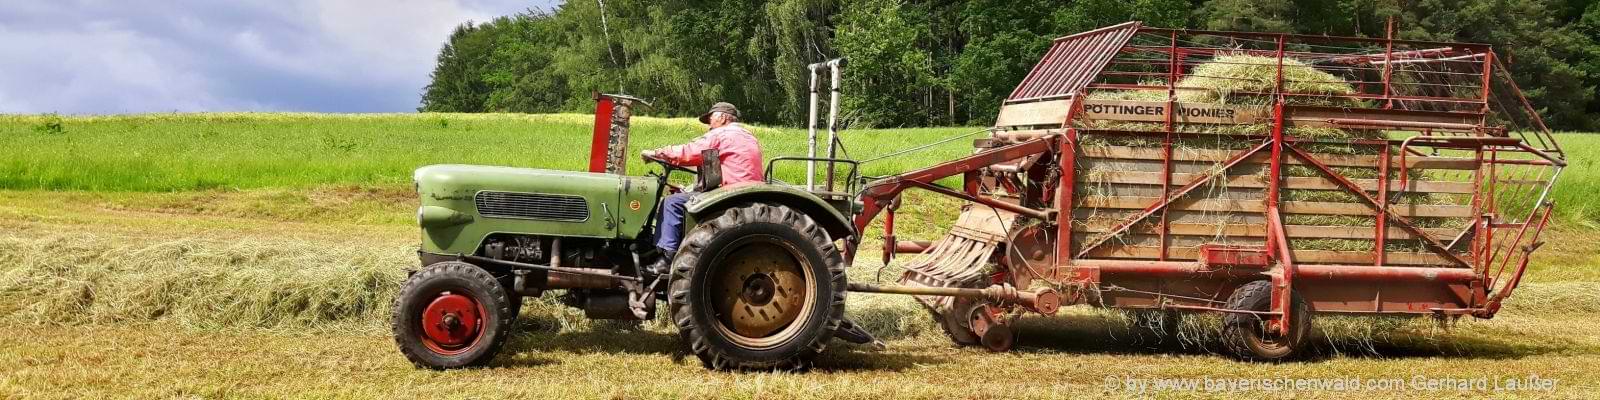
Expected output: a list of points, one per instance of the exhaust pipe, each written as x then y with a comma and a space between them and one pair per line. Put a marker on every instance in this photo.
834, 66
833, 117
811, 131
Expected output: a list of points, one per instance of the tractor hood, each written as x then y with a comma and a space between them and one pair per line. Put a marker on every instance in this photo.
461, 204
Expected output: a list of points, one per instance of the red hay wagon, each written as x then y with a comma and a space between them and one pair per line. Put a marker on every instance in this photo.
1126, 170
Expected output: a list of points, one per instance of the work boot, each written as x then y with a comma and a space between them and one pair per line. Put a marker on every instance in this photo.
661, 266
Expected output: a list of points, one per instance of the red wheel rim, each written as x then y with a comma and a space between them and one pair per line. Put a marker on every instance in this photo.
452, 323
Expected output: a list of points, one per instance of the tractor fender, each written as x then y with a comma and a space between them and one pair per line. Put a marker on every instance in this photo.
837, 225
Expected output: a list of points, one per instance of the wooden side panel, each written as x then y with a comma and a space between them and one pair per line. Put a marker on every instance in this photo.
1293, 182
1260, 230
1300, 256
1117, 182
1218, 155
1289, 207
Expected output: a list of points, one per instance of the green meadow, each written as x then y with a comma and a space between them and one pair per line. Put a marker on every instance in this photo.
164, 152
256, 255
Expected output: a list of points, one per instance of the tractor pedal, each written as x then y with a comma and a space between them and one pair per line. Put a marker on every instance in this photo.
851, 332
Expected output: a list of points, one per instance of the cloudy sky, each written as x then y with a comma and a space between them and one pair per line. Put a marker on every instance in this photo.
131, 56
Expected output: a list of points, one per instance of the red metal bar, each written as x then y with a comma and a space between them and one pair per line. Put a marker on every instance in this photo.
1514, 240
1166, 142
1277, 136
1166, 181
1087, 33
1169, 269
1388, 55
1074, 61
1493, 304
1357, 96
1283, 281
1551, 158
1401, 124
1043, 215
1299, 38
1384, 273
1421, 54
1302, 54
889, 242
1277, 241
912, 246
1491, 212
1528, 107
1488, 68
876, 195
600, 145
1068, 155
1381, 233
1308, 272
1216, 309
1064, 193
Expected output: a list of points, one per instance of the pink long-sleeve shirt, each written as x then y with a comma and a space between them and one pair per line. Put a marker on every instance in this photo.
737, 149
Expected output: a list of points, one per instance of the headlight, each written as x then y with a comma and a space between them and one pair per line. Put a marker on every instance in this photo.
439, 217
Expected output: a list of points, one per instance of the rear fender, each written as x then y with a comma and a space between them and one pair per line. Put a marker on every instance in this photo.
836, 223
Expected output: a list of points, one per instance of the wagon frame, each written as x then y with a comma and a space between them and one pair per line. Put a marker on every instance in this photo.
1454, 123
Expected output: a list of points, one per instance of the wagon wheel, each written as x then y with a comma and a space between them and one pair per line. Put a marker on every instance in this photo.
1245, 335
450, 315
757, 287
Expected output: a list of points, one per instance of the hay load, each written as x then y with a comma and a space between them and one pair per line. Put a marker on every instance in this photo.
1243, 81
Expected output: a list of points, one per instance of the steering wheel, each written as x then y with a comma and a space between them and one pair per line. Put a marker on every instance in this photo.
668, 167
666, 171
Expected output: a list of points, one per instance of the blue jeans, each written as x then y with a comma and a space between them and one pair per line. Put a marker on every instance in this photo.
669, 230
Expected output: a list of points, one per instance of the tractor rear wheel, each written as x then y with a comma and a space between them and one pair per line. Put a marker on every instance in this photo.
451, 314
757, 287
1245, 335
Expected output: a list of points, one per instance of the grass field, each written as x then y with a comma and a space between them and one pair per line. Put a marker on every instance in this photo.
248, 255
244, 151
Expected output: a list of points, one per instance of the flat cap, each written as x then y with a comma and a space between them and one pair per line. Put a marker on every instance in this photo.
719, 107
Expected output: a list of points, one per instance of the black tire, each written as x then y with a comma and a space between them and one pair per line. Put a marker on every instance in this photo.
723, 243
1245, 335
480, 328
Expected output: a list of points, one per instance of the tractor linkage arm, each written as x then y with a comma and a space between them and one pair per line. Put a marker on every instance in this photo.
885, 193
877, 194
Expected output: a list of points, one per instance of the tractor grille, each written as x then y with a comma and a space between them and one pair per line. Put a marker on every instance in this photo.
552, 207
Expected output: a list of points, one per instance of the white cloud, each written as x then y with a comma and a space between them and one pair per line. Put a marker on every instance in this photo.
91, 56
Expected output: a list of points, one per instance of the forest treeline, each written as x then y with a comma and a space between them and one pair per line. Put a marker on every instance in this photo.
927, 63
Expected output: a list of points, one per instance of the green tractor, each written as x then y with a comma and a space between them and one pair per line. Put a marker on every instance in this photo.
759, 282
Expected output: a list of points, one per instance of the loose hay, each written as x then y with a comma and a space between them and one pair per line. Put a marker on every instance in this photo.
92, 278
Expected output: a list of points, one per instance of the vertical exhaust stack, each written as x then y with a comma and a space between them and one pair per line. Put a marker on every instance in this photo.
608, 151
811, 130
833, 117
834, 66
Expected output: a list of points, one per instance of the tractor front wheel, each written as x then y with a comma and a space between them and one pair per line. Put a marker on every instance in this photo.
450, 315
757, 287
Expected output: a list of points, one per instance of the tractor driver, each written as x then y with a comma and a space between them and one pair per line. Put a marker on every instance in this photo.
740, 157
